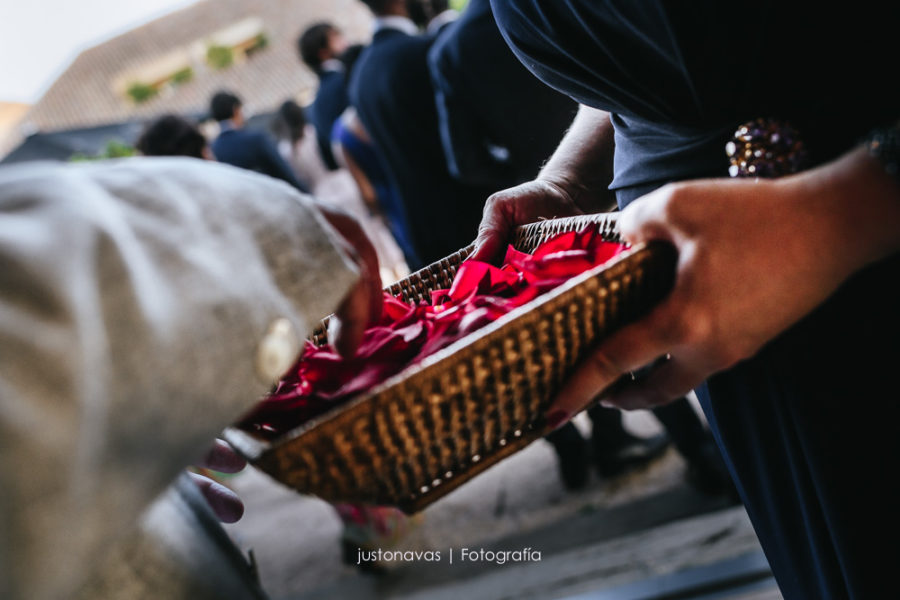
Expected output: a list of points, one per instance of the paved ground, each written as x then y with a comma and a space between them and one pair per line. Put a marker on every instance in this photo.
644, 524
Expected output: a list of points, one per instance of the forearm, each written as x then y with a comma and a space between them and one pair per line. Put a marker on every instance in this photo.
583, 161
857, 204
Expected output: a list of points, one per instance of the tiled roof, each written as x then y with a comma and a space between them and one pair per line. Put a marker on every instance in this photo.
86, 93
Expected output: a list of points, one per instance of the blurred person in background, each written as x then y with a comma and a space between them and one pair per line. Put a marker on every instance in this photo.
440, 15
298, 145
320, 47
238, 146
353, 149
391, 90
172, 135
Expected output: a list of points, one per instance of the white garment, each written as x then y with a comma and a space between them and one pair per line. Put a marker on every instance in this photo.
133, 298
404, 24
440, 20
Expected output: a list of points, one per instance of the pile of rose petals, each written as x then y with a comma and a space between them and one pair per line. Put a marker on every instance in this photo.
480, 294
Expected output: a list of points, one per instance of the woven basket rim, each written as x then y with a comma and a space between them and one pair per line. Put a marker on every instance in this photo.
433, 361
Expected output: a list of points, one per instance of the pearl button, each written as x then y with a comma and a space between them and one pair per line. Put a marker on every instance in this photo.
277, 351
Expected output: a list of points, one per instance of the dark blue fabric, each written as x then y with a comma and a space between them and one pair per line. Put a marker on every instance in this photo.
392, 92
331, 101
366, 158
255, 151
486, 98
809, 426
680, 76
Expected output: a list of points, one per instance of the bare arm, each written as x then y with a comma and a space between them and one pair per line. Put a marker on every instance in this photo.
575, 180
583, 162
810, 233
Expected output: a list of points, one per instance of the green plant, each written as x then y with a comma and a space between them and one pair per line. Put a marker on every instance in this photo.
182, 76
117, 149
141, 92
219, 57
261, 41
113, 149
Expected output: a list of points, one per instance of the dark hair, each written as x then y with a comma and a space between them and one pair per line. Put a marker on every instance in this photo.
348, 58
223, 105
376, 6
289, 121
171, 135
311, 43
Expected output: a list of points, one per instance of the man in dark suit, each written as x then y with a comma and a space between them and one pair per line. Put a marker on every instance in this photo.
240, 147
498, 122
320, 45
391, 89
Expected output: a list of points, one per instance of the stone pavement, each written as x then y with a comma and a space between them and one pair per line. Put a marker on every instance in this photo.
640, 526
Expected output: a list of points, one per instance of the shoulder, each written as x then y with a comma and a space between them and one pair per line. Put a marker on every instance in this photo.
255, 137
79, 194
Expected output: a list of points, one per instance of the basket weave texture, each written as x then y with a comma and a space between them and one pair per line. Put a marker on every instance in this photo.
438, 423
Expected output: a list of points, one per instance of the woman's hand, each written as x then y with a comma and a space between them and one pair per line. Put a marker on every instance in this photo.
754, 258
574, 181
520, 205
363, 304
224, 502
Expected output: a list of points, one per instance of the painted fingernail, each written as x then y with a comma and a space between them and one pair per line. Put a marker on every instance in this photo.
556, 418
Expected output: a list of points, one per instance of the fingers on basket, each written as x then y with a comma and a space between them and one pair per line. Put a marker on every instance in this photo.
627, 350
221, 457
665, 382
494, 233
224, 502
348, 325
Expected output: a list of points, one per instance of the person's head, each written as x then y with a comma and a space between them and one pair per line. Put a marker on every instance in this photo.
382, 8
171, 135
418, 10
289, 122
224, 106
423, 11
320, 42
349, 56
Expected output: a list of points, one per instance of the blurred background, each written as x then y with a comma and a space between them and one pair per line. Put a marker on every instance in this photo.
81, 79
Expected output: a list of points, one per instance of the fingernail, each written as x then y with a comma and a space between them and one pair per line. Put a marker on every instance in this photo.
556, 418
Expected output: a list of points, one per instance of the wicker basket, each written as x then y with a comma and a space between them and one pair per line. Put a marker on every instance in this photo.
437, 424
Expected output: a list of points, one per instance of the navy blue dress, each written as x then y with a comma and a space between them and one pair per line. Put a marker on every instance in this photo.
809, 426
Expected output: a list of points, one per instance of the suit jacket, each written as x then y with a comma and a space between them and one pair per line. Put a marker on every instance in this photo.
137, 303
498, 122
331, 101
391, 89
254, 150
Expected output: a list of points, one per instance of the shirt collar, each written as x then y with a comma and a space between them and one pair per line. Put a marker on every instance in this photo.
403, 24
226, 125
332, 65
447, 16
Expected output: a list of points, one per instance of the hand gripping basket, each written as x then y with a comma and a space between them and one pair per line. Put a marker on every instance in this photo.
438, 423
